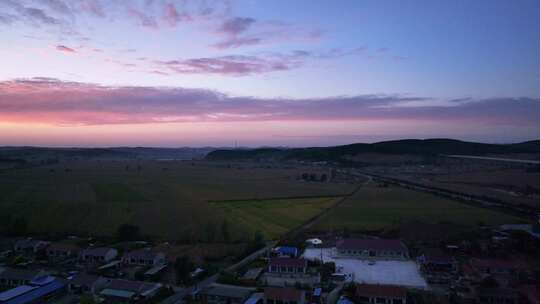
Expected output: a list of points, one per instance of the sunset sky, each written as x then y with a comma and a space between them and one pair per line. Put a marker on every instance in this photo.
289, 73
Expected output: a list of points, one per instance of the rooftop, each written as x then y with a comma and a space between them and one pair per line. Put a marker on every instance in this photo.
144, 253
374, 290
252, 274
288, 262
63, 247
84, 279
97, 251
496, 263
229, 291
283, 294
15, 292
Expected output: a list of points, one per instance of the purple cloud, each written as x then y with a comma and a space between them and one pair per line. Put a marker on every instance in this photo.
63, 48
243, 65
54, 101
173, 17
235, 42
143, 19
236, 25
235, 65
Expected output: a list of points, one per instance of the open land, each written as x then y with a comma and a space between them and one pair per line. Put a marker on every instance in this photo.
375, 207
167, 199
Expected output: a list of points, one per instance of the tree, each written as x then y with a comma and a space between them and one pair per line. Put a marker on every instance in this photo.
183, 268
210, 232
19, 227
225, 231
87, 299
127, 232
258, 239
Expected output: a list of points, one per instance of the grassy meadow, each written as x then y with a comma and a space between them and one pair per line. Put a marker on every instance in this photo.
273, 217
374, 208
167, 199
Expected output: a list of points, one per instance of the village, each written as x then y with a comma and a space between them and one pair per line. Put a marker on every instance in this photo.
496, 265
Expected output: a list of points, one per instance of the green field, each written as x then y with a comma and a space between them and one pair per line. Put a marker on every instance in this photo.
167, 199
273, 217
374, 208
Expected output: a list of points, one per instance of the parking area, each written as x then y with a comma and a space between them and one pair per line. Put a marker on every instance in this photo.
403, 273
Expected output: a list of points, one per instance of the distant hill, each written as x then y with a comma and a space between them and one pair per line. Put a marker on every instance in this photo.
41, 153
420, 147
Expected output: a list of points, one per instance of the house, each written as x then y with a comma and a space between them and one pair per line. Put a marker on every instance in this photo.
225, 294
530, 293
29, 245
251, 276
125, 291
86, 283
435, 260
372, 249
13, 277
437, 267
98, 254
62, 251
285, 295
497, 295
289, 272
40, 290
383, 294
496, 266
144, 257
287, 266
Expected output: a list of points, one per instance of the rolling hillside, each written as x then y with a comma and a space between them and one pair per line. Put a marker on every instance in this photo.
425, 147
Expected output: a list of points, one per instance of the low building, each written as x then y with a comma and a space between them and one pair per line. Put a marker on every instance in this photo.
62, 251
13, 277
251, 276
287, 265
225, 294
372, 249
498, 295
29, 245
437, 267
285, 295
435, 260
40, 290
530, 293
83, 283
98, 255
380, 294
125, 291
289, 272
496, 266
144, 257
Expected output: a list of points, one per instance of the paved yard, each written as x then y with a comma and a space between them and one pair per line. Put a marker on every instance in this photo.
404, 273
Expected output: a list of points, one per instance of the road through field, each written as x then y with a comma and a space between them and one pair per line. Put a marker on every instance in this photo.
309, 223
181, 293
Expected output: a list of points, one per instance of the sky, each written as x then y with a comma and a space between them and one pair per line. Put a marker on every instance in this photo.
267, 73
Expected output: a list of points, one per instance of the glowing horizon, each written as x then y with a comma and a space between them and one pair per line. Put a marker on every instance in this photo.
182, 73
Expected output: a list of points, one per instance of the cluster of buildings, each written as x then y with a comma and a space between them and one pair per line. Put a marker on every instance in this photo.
37, 271
386, 271
498, 266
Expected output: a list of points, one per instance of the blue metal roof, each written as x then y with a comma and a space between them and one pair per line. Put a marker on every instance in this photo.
287, 250
36, 293
15, 292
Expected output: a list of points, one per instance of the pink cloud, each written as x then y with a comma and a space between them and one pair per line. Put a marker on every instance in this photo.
53, 101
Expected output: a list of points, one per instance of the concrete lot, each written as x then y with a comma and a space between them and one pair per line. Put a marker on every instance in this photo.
403, 273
